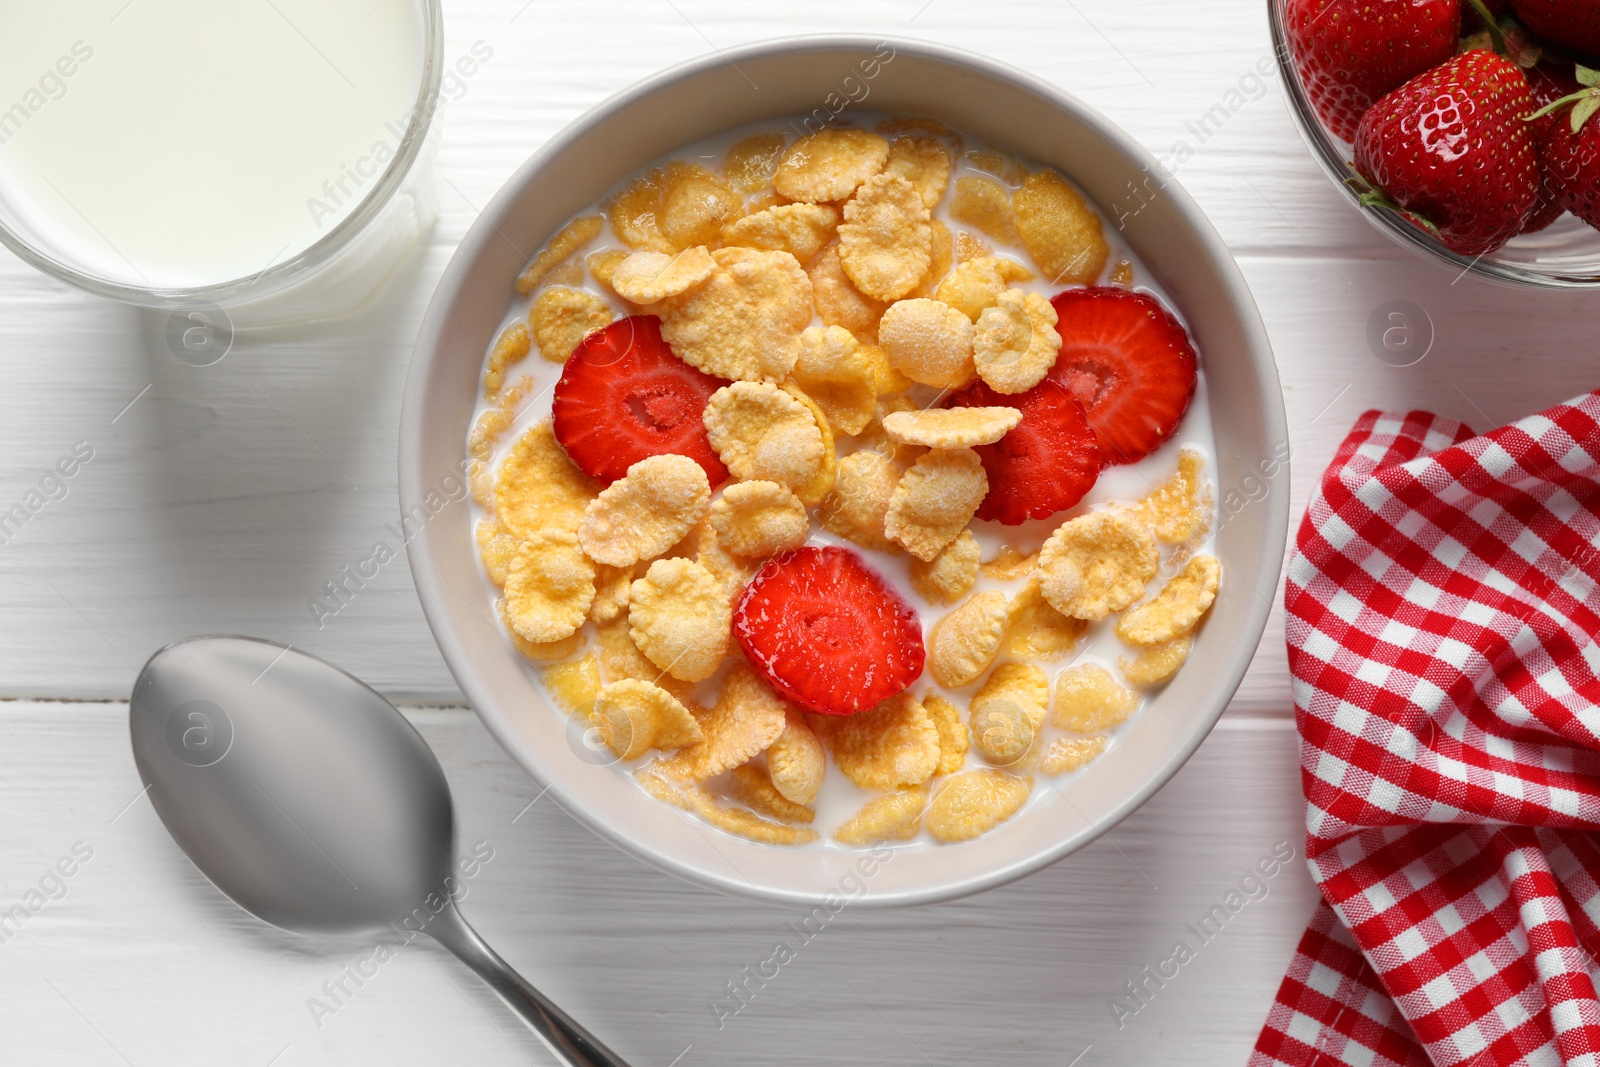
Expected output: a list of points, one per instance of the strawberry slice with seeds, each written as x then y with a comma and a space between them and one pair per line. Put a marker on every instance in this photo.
1046, 463
827, 631
1130, 364
623, 396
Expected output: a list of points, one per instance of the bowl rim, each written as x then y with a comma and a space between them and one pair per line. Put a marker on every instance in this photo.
1334, 164
430, 583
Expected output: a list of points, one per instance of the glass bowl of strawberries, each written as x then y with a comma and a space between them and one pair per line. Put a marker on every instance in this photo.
1464, 129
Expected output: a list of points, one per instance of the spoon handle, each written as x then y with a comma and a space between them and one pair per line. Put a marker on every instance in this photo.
571, 1043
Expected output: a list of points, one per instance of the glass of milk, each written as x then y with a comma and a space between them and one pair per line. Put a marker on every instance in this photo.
269, 157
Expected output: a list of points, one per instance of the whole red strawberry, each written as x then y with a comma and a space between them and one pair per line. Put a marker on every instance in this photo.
1569, 147
1351, 52
1549, 81
1574, 23
1450, 151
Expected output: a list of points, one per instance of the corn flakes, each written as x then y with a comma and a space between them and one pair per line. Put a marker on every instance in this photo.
977, 283
603, 265
695, 204
645, 512
563, 317
539, 651
744, 322
621, 658
610, 592
985, 204
1000, 163
1009, 564
1016, 343
888, 746
885, 241
650, 277
802, 230
820, 484
862, 488
953, 738
963, 643
679, 617
753, 789
538, 488
1122, 274
573, 236
835, 372
1066, 754
894, 816
1156, 664
1096, 564
950, 575
1173, 511
549, 585
750, 164
763, 433
1177, 608
1089, 700
923, 162
951, 427
635, 717
838, 301
1037, 630
1007, 712
1059, 230
935, 499
928, 341
968, 247
746, 719
747, 824
829, 164
885, 379
574, 685
974, 802
635, 213
795, 762
512, 346
497, 549
759, 518
941, 255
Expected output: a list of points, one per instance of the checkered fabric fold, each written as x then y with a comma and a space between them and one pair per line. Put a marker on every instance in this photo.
1443, 610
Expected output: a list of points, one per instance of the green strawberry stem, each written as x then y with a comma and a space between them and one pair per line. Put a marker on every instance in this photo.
1586, 101
1370, 195
1495, 34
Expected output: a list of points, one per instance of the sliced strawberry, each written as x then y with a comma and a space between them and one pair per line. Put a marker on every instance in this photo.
623, 396
1130, 364
827, 631
1046, 463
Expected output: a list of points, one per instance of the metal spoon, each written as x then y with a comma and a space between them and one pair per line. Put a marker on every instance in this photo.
307, 798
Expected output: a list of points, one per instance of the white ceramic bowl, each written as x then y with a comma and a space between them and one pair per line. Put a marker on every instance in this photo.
795, 76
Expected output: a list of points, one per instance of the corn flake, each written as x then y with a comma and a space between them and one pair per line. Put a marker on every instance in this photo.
497, 549
950, 575
923, 162
680, 619
1009, 564
904, 125
1177, 608
621, 658
1060, 231
759, 518
1000, 163
1096, 564
549, 586
747, 824
635, 717
745, 720
1156, 664
894, 816
795, 762
829, 164
985, 204
935, 499
512, 346
744, 322
731, 572
820, 484
1173, 511
574, 685
968, 247
928, 341
953, 737
1037, 630
862, 488
646, 511
1122, 274
891, 745
977, 283
1008, 711
941, 256
750, 163
974, 802
885, 241
1089, 700
951, 427
610, 592
837, 299
885, 379
695, 204
1016, 343
835, 372
1066, 754
802, 230
563, 317
538, 488
963, 643
635, 213
762, 432
650, 277
573, 236
539, 651
752, 788
603, 265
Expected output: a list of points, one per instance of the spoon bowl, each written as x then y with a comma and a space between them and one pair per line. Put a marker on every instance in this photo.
308, 799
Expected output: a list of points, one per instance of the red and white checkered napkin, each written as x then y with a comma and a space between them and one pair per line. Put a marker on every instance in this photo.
1443, 612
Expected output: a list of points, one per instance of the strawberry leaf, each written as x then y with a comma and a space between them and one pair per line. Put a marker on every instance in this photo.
1586, 76
1584, 111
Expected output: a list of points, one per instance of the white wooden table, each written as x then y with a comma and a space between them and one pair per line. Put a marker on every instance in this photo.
209, 506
